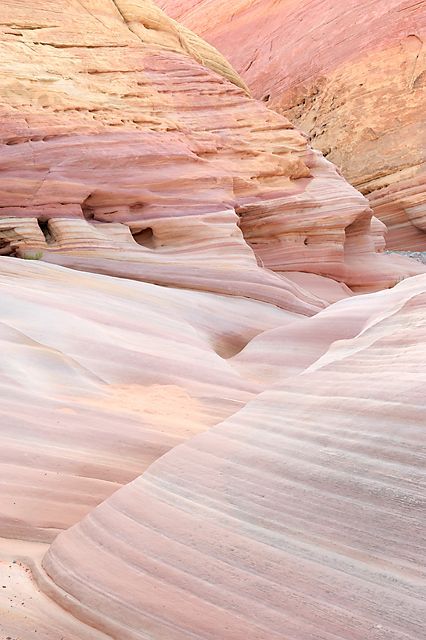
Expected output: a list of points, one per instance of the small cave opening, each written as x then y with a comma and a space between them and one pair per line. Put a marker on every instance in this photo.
5, 247
44, 228
145, 238
266, 98
88, 213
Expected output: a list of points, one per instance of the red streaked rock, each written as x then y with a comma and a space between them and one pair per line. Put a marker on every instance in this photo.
350, 75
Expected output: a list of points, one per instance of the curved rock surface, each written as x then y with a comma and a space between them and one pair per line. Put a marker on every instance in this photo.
120, 153
102, 376
350, 74
237, 453
292, 514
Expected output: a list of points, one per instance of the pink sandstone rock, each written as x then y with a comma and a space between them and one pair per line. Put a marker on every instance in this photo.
139, 162
237, 454
301, 508
102, 376
349, 74
301, 512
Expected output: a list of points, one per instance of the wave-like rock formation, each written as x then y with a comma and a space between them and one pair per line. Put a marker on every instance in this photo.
82, 355
207, 432
121, 153
350, 74
299, 515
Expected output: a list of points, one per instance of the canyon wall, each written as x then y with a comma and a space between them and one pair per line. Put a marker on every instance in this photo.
120, 153
352, 75
207, 430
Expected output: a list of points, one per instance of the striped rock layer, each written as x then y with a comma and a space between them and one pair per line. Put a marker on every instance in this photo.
352, 75
273, 463
130, 147
236, 454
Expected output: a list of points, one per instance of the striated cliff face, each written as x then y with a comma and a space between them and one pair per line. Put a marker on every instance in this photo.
121, 154
206, 432
349, 74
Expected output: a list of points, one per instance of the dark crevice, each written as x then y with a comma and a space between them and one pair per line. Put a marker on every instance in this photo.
88, 213
28, 27
145, 238
44, 227
5, 248
81, 46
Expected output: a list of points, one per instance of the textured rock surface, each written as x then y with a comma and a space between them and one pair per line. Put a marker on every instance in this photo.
303, 510
350, 74
102, 376
176, 462
107, 116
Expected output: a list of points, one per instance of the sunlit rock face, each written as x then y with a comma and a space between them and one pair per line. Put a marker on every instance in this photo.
351, 76
122, 154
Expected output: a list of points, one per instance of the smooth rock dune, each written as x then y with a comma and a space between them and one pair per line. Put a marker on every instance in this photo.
300, 515
212, 375
352, 75
98, 380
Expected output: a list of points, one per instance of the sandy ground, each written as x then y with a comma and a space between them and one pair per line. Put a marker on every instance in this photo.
25, 612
